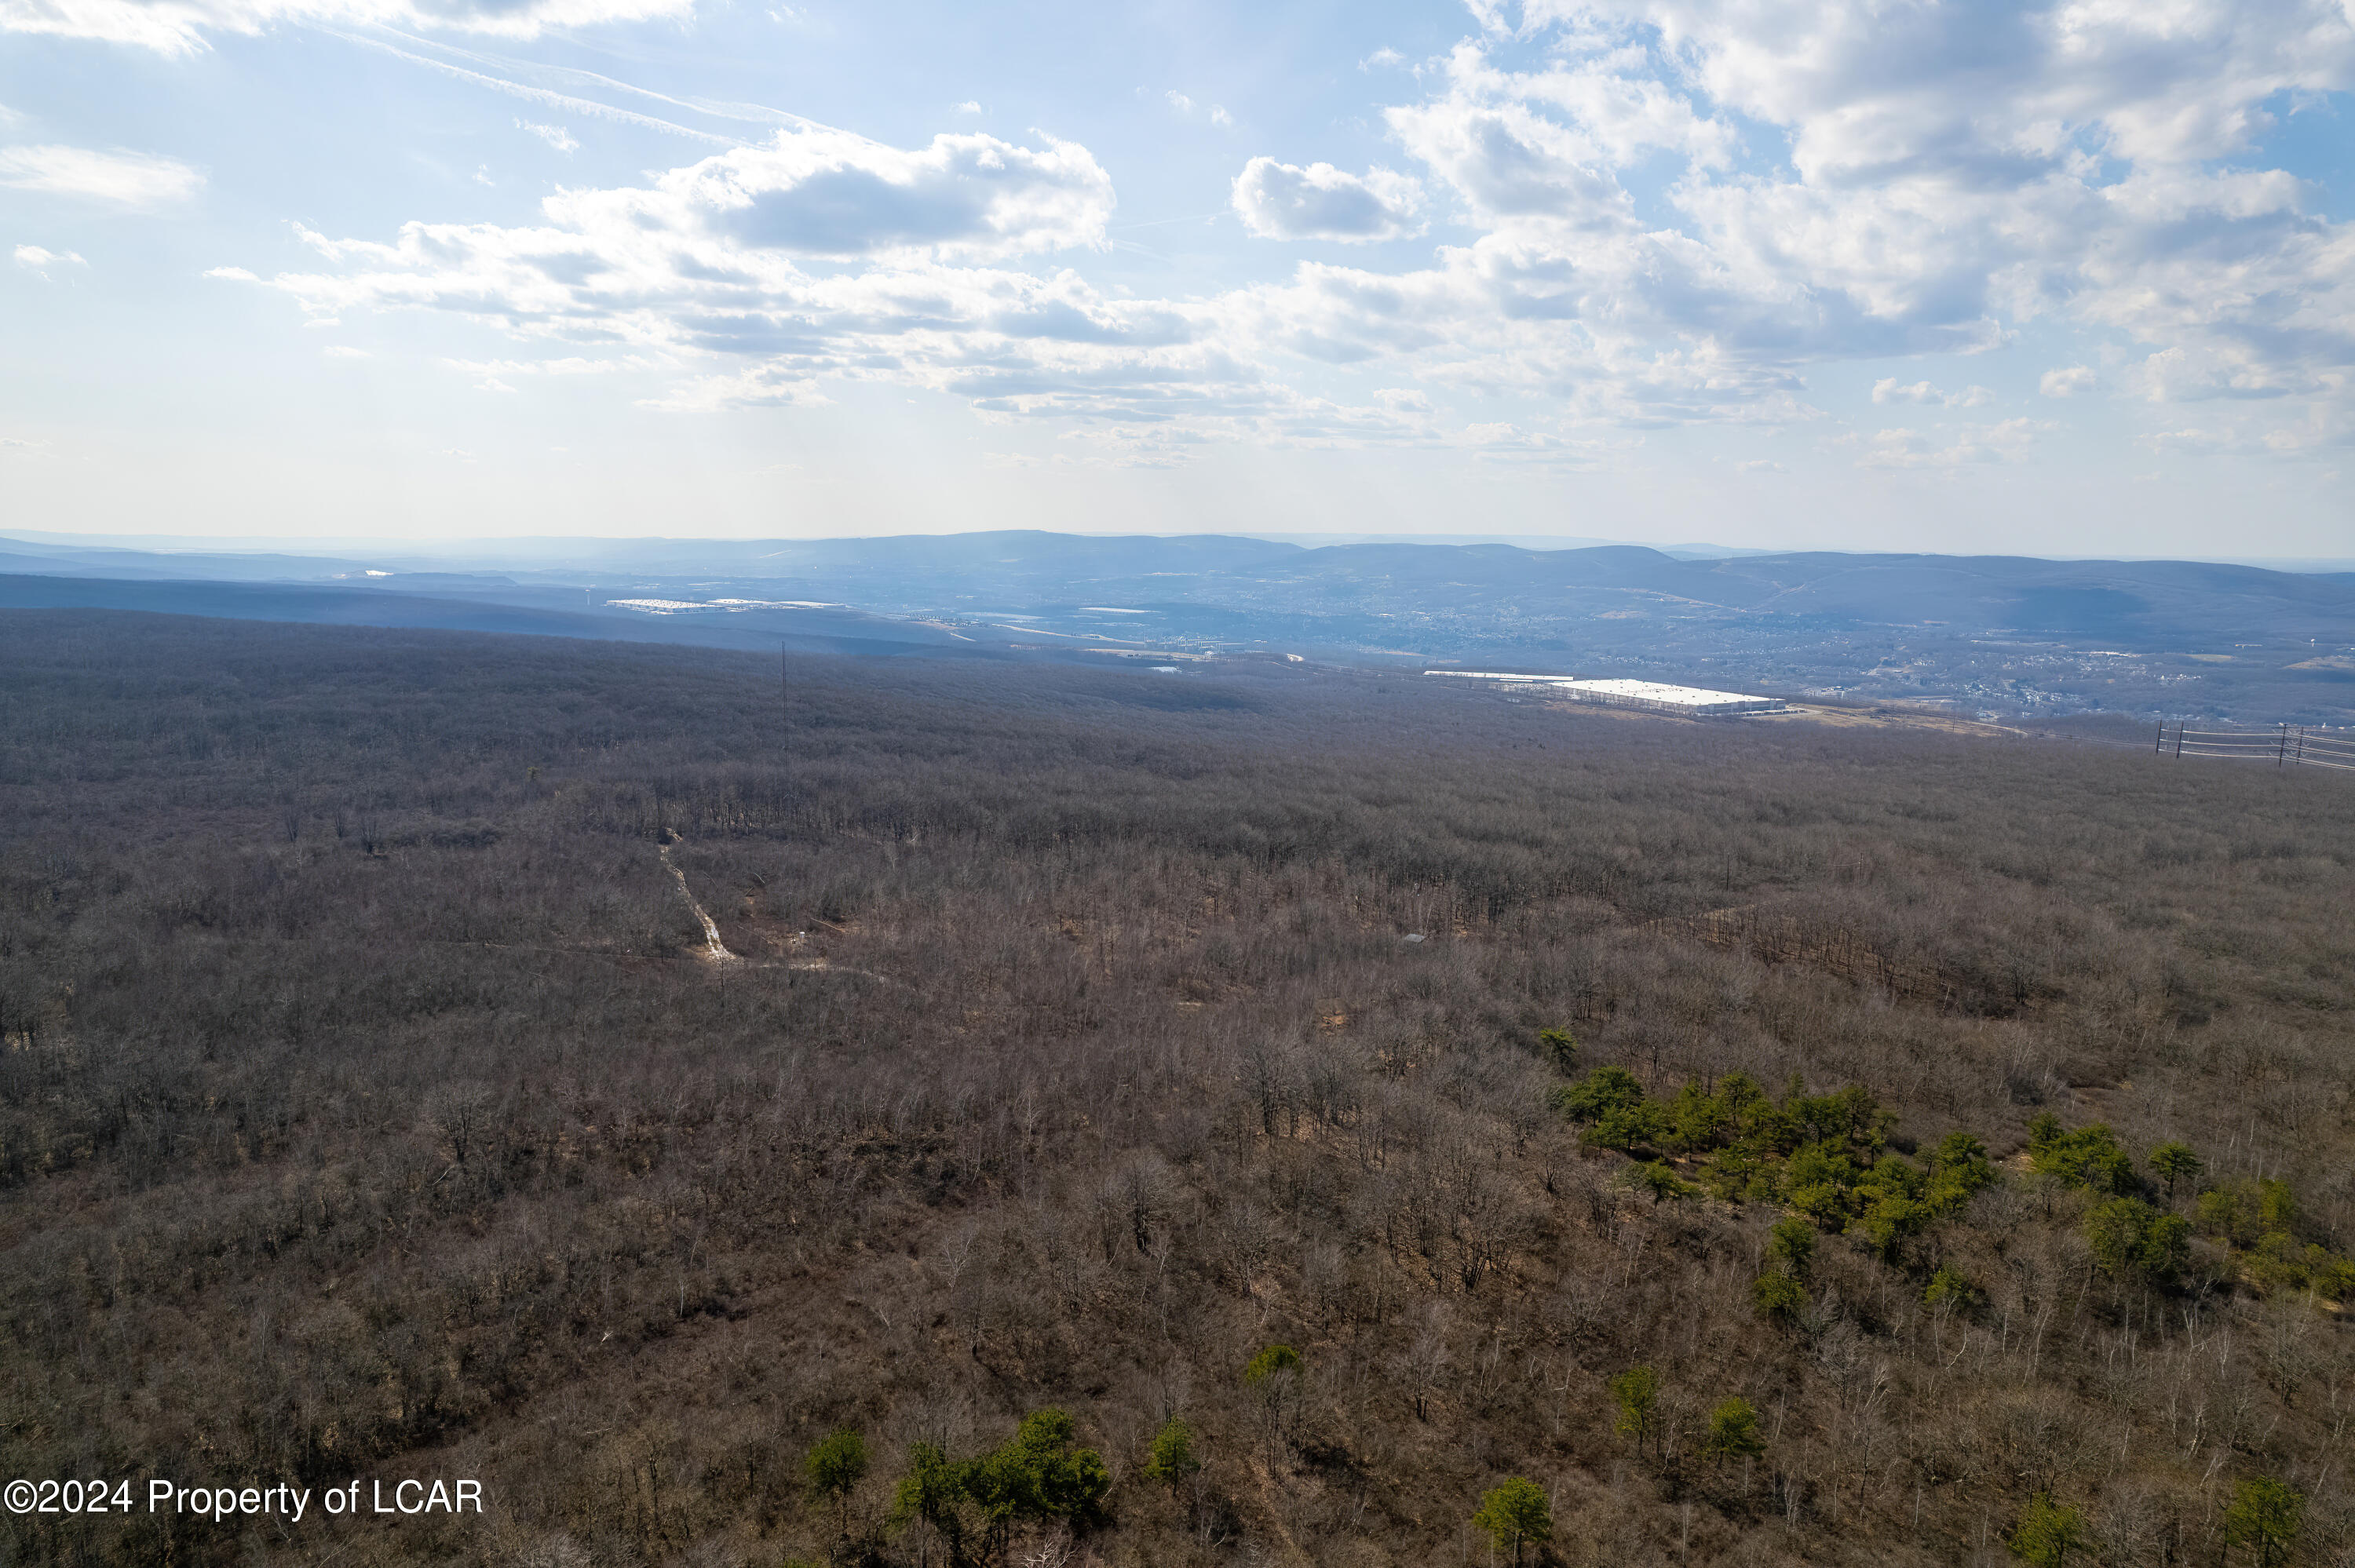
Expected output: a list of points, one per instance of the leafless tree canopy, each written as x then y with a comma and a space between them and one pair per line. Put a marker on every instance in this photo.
371, 1103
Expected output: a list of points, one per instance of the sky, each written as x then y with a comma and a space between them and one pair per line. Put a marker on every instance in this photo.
1952, 275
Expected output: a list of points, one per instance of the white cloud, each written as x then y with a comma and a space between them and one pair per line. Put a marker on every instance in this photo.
1991, 92
2266, 431
1381, 56
970, 106
1216, 113
1281, 201
711, 264
819, 192
2196, 441
1542, 148
1973, 444
1933, 202
2198, 372
38, 259
183, 27
1502, 442
556, 136
2066, 382
1660, 212
123, 179
1887, 390
344, 351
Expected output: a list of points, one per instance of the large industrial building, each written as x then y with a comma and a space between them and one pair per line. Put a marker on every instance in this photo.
1652, 696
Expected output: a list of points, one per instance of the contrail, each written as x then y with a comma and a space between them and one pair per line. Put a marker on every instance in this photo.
755, 113
539, 95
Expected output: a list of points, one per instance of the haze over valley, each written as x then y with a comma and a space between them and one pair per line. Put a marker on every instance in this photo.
2006, 638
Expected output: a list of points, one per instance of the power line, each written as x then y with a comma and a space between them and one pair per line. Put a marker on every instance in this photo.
2292, 746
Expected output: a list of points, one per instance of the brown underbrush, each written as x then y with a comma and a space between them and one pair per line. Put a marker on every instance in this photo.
370, 1106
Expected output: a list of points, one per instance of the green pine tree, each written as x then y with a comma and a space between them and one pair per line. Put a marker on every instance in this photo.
1516, 1514
2265, 1514
2048, 1532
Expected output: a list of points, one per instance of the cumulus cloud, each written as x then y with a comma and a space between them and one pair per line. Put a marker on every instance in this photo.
1280, 201
1540, 150
1990, 93
39, 259
183, 27
819, 192
118, 179
819, 254
1950, 177
1663, 212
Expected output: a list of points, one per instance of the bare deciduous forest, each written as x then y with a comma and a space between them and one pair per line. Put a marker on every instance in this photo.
1549, 1089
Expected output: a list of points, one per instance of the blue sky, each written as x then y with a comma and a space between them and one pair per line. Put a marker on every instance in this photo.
1954, 274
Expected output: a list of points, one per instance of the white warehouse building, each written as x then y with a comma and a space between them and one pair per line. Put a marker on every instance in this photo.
1654, 697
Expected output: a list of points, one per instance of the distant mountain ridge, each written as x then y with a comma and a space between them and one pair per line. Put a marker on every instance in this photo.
2168, 602
2008, 633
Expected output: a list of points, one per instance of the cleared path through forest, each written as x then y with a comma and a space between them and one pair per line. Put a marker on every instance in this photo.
713, 947
716, 951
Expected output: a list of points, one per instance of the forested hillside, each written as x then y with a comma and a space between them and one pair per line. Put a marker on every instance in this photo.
1147, 1120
